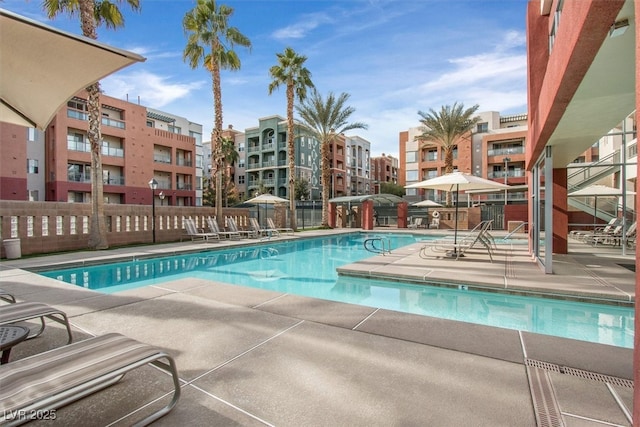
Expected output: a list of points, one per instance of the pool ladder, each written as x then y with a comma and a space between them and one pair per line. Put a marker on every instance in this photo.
378, 245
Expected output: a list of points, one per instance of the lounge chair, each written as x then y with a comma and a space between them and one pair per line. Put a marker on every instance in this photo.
614, 238
435, 223
195, 234
47, 381
244, 233
457, 248
416, 224
256, 227
271, 227
25, 311
7, 296
213, 226
585, 235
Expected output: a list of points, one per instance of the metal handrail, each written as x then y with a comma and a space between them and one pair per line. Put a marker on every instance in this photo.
514, 231
385, 245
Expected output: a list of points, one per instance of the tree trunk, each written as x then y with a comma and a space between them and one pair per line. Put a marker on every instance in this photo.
326, 181
448, 168
97, 227
216, 136
292, 157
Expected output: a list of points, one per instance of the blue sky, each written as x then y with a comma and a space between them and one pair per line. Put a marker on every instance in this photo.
394, 57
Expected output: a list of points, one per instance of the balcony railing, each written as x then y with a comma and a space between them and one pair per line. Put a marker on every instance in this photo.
78, 177
114, 180
505, 151
510, 174
85, 147
183, 186
113, 123
112, 151
184, 162
161, 159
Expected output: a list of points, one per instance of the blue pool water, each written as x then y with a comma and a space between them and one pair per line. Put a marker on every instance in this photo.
308, 267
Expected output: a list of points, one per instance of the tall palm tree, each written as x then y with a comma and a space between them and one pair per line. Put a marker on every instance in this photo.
210, 42
446, 128
291, 72
93, 13
325, 120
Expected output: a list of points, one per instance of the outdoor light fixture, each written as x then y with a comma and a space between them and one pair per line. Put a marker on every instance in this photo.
618, 28
153, 184
161, 195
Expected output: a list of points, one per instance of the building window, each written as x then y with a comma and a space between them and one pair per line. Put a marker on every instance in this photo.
412, 175
32, 166
31, 134
483, 127
33, 195
412, 156
241, 147
241, 163
174, 129
241, 179
151, 124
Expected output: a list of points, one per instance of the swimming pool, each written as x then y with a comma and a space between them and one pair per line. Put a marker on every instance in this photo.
308, 267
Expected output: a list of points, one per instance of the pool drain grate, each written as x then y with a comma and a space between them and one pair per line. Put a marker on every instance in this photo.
545, 405
621, 382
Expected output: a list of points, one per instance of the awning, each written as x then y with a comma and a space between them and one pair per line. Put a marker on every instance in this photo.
43, 67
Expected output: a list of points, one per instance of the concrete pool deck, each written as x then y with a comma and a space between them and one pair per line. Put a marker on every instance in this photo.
255, 357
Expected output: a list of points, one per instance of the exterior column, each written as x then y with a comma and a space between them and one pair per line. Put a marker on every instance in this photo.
403, 210
332, 215
560, 212
367, 215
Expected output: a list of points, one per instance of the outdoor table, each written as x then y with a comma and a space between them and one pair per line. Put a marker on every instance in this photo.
11, 335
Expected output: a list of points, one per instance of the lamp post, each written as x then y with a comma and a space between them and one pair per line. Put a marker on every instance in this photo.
303, 207
506, 174
153, 184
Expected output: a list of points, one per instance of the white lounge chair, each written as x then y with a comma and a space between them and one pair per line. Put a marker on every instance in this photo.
456, 248
213, 226
195, 234
234, 227
50, 380
416, 224
272, 227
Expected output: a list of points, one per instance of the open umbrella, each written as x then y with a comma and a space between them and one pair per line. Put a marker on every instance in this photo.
596, 191
40, 71
457, 181
427, 203
267, 199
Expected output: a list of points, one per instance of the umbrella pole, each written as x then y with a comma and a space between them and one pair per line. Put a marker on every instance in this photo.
455, 226
595, 212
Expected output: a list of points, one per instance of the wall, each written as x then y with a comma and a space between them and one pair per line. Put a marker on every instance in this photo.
46, 227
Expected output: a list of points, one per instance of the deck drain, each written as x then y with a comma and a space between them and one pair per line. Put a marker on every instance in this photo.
545, 404
621, 382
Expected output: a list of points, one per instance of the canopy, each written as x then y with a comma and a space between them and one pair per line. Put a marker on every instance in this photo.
598, 190
427, 203
267, 198
457, 181
43, 67
382, 198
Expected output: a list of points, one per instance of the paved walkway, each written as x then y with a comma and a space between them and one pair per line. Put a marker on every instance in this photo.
254, 357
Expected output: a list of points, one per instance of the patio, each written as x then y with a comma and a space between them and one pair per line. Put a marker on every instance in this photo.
254, 357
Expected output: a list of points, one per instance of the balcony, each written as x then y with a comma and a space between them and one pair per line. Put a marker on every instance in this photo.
159, 158
505, 151
79, 177
184, 162
84, 147
112, 151
114, 180
113, 123
510, 174
183, 186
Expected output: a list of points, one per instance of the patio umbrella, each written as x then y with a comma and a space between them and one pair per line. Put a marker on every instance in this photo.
267, 199
40, 70
595, 191
457, 181
427, 203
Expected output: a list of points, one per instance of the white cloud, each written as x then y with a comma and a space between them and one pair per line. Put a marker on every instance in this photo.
300, 29
154, 90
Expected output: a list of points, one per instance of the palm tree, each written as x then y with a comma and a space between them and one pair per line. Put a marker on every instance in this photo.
210, 42
291, 72
92, 14
446, 129
325, 120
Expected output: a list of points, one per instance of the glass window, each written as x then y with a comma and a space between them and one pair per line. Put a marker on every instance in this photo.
412, 175
412, 156
483, 127
32, 166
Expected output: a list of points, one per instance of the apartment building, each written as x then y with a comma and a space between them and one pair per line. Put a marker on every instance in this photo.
236, 170
138, 144
384, 169
267, 164
495, 150
22, 173
358, 165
